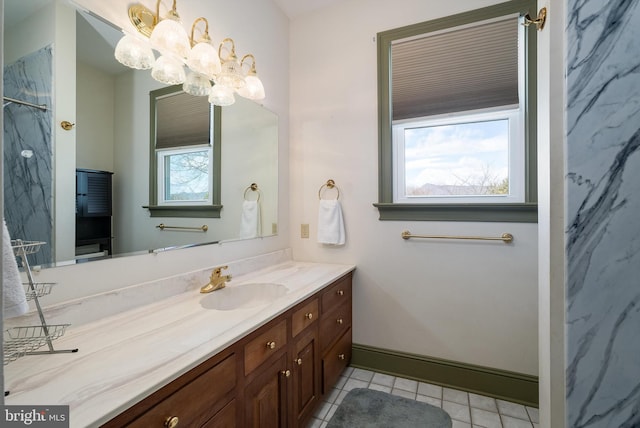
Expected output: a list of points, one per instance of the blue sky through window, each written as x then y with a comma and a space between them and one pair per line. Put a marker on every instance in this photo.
462, 159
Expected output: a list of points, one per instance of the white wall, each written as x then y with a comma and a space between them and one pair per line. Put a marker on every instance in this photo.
473, 302
551, 190
95, 109
257, 26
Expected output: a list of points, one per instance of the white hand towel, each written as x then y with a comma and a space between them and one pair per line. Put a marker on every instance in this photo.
250, 220
330, 222
14, 299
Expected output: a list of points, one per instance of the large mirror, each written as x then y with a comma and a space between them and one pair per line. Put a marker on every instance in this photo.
108, 110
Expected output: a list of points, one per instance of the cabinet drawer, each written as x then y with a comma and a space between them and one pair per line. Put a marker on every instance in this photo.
336, 294
334, 323
197, 401
264, 346
335, 360
304, 317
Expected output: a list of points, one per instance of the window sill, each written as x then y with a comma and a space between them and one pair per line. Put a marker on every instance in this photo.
195, 211
508, 213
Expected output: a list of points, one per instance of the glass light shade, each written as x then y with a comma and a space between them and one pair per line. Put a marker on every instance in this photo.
134, 53
169, 37
169, 70
253, 88
231, 75
221, 96
203, 59
197, 84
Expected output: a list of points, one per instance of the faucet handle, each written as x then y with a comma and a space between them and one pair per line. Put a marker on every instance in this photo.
218, 270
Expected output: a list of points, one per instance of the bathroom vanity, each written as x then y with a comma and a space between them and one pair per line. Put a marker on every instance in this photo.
191, 359
275, 376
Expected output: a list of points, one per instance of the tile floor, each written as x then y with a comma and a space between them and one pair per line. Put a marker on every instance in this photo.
467, 410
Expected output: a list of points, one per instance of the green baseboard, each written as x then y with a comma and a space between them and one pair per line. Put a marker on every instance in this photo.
502, 384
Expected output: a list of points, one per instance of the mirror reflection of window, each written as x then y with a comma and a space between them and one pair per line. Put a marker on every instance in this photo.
183, 148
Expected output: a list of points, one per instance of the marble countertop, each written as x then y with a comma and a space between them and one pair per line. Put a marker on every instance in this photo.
125, 357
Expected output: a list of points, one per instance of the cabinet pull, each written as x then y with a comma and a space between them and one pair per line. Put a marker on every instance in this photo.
271, 345
339, 321
298, 361
340, 293
341, 356
286, 373
309, 316
171, 422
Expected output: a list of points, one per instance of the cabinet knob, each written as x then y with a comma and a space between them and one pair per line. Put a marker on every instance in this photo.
171, 422
286, 373
271, 345
298, 361
339, 321
309, 316
340, 293
341, 356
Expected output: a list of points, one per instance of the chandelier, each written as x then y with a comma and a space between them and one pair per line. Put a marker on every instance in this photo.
202, 69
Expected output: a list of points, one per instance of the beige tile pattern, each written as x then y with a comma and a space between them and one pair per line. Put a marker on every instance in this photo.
467, 410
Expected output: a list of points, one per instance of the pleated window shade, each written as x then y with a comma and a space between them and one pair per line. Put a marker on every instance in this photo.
182, 120
463, 69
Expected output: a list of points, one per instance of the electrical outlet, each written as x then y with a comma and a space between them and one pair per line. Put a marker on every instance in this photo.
274, 228
304, 231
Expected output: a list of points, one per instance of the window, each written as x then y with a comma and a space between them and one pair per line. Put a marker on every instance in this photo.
185, 155
184, 176
457, 118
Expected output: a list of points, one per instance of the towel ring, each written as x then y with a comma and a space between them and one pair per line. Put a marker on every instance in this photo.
330, 184
254, 188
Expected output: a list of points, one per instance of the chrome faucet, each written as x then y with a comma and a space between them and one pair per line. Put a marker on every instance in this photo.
216, 281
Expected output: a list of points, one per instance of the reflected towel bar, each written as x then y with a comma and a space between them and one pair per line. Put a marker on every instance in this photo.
24, 103
202, 228
507, 238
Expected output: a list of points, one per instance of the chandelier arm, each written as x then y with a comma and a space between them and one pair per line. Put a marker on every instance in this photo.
232, 53
252, 69
205, 35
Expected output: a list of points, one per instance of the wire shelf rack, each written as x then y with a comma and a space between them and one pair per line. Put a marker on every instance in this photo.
24, 340
38, 289
21, 247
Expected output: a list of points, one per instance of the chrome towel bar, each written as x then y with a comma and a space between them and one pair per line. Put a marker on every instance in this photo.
202, 228
507, 238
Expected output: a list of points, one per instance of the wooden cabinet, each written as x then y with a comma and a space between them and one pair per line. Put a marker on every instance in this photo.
335, 331
266, 396
202, 394
273, 377
93, 211
306, 377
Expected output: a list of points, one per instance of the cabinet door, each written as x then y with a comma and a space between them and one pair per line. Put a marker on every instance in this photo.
266, 397
306, 377
93, 193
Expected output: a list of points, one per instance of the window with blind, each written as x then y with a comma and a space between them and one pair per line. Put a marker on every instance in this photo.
457, 122
183, 149
184, 167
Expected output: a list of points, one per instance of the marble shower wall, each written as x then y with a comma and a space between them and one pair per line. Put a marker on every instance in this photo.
28, 181
603, 213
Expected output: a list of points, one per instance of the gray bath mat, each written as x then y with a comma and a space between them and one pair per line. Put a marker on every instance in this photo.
363, 408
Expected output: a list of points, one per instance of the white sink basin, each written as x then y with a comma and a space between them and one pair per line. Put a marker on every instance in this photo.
243, 296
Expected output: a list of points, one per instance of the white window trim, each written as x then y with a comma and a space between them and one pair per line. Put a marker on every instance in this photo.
515, 116
160, 157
